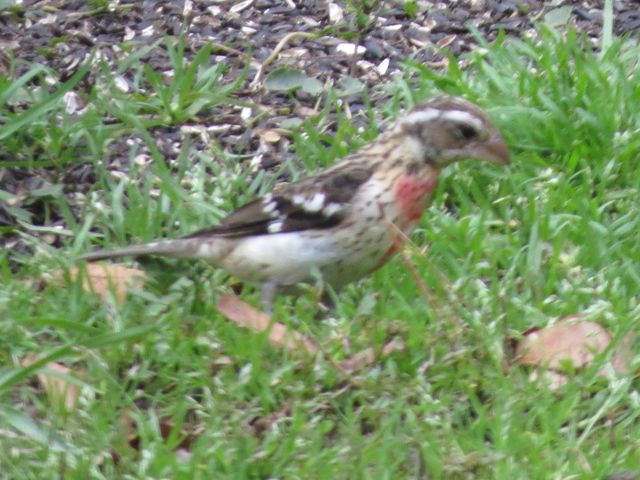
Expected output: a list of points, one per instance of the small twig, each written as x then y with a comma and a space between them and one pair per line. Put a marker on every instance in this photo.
276, 51
427, 293
219, 46
400, 238
224, 48
430, 297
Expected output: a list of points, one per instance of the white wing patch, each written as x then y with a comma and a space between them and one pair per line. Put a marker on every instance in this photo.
270, 207
312, 204
275, 227
316, 202
332, 209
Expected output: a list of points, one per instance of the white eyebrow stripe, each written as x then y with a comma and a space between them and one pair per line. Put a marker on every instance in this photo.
462, 116
422, 116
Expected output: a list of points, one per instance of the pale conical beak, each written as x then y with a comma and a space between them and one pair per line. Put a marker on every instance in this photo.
494, 150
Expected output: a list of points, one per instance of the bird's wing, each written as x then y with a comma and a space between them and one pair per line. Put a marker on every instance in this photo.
317, 202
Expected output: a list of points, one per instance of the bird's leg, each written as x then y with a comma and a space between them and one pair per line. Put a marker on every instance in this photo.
267, 296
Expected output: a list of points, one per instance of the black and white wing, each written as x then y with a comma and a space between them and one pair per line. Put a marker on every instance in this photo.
318, 202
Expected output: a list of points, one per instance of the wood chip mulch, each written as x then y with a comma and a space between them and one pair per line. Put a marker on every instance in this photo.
334, 43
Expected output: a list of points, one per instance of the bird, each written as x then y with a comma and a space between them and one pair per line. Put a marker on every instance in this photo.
347, 220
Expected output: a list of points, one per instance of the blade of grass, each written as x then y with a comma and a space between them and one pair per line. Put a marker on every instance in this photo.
607, 27
50, 102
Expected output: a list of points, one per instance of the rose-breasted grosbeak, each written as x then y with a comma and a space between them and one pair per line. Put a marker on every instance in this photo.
347, 220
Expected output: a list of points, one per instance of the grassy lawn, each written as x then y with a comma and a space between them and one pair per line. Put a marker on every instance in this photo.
169, 388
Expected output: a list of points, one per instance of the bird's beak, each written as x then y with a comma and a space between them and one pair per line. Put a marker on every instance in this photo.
494, 150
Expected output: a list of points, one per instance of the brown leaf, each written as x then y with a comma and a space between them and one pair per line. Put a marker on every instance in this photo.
306, 112
622, 356
367, 357
269, 136
128, 436
576, 342
246, 316
571, 340
446, 41
100, 277
60, 392
261, 425
358, 361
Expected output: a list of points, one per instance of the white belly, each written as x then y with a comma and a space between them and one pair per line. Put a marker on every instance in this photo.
289, 258
341, 254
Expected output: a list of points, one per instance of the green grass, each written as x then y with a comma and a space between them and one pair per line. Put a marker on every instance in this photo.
502, 249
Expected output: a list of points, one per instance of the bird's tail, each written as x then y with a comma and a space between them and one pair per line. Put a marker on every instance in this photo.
210, 251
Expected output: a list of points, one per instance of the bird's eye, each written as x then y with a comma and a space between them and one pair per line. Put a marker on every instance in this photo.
467, 132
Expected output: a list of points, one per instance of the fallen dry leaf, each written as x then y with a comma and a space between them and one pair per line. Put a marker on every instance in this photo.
60, 392
446, 41
622, 356
574, 341
306, 111
269, 136
261, 425
128, 436
101, 277
357, 361
246, 316
367, 357
278, 335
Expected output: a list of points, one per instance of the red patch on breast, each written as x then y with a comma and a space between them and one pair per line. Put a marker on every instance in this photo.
412, 194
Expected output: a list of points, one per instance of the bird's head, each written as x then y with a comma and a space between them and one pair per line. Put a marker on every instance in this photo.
447, 129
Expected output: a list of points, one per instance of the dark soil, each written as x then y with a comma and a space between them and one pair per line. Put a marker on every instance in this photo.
62, 34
